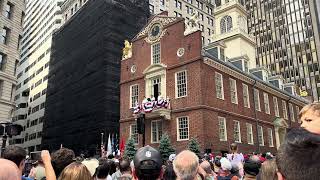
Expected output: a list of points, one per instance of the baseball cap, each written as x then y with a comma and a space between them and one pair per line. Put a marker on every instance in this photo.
252, 167
147, 161
172, 157
225, 164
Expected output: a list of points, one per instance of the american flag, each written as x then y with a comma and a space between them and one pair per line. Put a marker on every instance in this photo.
103, 152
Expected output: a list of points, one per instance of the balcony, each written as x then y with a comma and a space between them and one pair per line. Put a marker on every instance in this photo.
153, 109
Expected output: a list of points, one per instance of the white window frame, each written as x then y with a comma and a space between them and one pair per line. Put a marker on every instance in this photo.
233, 91
237, 126
256, 95
270, 137
246, 98
266, 102
178, 129
176, 84
292, 113
249, 132
284, 109
153, 55
157, 131
131, 93
298, 111
135, 142
260, 136
276, 106
221, 80
222, 119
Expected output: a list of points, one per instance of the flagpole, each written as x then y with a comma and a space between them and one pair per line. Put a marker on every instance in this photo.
102, 153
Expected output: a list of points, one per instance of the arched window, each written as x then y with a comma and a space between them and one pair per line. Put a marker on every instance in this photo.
226, 24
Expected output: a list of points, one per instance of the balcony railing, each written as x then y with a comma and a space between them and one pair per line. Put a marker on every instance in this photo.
154, 108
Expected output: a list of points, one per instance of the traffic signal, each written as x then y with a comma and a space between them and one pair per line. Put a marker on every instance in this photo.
140, 123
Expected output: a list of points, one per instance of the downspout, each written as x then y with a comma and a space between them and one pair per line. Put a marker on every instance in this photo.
255, 115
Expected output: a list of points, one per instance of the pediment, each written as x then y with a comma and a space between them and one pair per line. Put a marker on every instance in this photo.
163, 20
280, 122
154, 68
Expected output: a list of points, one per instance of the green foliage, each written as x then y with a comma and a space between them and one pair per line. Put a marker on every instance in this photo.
130, 149
165, 147
194, 146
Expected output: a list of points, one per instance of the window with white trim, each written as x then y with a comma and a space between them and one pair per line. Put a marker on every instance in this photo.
156, 131
134, 94
298, 111
134, 133
291, 112
181, 84
155, 53
266, 103
246, 101
183, 128
225, 24
276, 106
260, 136
178, 4
233, 91
257, 100
249, 133
270, 137
284, 109
219, 85
4, 35
236, 132
222, 129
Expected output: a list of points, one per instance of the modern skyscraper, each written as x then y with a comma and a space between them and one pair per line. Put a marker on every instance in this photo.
12, 13
186, 8
41, 20
286, 34
71, 7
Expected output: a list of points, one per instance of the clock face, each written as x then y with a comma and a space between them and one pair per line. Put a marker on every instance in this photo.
155, 31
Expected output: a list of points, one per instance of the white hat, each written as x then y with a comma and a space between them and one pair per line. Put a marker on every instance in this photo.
91, 164
172, 157
225, 164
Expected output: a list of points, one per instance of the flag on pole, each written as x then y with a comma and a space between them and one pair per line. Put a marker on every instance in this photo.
109, 149
122, 147
103, 152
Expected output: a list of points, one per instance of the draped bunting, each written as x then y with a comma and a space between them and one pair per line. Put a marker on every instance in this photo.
148, 105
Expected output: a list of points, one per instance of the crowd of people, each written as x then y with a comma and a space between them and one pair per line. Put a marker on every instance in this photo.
297, 159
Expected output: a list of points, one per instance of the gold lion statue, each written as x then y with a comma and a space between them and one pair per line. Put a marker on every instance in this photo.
127, 50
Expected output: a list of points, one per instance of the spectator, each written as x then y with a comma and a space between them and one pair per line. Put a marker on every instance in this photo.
17, 155
234, 156
147, 164
46, 160
103, 171
217, 164
125, 170
298, 157
169, 173
252, 167
9, 170
75, 171
310, 117
268, 171
91, 163
235, 170
225, 173
61, 159
186, 165
205, 165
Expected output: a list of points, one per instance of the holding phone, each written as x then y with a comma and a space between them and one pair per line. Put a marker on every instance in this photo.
36, 156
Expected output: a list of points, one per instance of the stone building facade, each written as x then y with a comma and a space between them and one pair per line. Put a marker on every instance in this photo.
215, 99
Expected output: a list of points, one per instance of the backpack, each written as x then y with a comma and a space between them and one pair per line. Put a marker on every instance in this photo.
225, 177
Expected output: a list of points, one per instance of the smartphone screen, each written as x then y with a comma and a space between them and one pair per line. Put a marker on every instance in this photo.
36, 156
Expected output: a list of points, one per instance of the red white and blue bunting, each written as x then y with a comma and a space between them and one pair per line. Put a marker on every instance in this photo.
148, 105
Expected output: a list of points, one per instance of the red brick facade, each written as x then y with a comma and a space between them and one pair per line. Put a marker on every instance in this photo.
200, 105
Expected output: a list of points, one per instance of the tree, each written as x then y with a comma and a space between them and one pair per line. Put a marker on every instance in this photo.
194, 146
130, 149
165, 147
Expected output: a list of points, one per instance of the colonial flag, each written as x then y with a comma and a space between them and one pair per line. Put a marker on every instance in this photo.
109, 148
103, 152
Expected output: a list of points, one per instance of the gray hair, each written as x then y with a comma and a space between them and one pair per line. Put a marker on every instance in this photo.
186, 165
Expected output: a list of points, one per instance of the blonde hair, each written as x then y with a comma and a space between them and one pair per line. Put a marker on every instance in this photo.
313, 107
269, 170
75, 171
